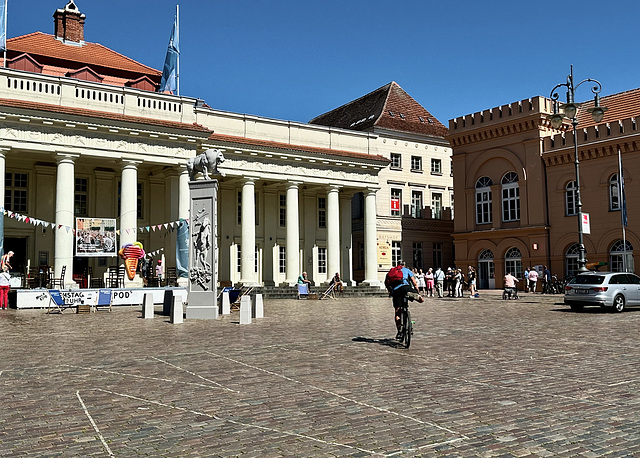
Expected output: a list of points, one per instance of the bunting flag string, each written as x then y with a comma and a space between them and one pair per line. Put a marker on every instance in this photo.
170, 226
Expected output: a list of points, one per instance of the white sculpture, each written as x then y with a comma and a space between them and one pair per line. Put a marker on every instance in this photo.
205, 163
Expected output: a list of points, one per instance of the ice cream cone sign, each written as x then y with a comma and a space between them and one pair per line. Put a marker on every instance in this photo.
131, 253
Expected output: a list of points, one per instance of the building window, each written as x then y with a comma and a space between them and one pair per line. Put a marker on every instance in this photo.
396, 201
417, 255
621, 257
571, 198
239, 208
483, 200
80, 197
357, 206
451, 197
571, 260
396, 252
322, 260
510, 197
436, 166
416, 204
513, 262
436, 205
282, 259
283, 210
322, 212
239, 257
396, 161
15, 192
614, 193
437, 255
416, 164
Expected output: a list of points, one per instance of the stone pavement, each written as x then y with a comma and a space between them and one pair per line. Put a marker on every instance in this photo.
483, 377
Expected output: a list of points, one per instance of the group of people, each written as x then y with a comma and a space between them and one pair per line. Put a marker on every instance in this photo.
453, 282
531, 277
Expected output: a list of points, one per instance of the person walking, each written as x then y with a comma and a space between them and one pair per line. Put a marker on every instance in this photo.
429, 280
422, 285
526, 279
471, 278
457, 280
546, 280
533, 281
5, 285
438, 278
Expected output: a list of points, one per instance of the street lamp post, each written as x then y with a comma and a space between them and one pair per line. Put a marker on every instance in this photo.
571, 112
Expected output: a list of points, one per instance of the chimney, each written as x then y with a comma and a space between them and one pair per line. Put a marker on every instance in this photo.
69, 23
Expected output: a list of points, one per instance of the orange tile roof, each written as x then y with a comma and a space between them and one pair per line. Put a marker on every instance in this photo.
290, 147
48, 50
21, 104
619, 106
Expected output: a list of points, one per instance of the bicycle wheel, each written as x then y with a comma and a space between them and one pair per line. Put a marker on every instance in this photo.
408, 328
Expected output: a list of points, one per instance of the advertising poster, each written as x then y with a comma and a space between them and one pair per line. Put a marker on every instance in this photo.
96, 237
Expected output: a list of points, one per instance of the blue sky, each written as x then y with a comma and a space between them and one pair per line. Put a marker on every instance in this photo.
296, 59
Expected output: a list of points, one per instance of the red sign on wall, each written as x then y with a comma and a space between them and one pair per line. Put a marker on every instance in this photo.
395, 204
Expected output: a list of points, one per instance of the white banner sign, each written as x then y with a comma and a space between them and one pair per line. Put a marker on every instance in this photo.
586, 223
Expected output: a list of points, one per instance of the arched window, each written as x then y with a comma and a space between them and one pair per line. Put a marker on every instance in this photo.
485, 255
571, 260
614, 193
621, 257
571, 198
483, 200
510, 197
513, 262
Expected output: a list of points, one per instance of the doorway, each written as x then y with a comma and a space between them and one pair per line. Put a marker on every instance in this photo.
486, 274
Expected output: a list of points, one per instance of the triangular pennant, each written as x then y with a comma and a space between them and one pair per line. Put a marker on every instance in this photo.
166, 225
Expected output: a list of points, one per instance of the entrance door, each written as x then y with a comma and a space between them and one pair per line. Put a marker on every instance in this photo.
486, 278
19, 247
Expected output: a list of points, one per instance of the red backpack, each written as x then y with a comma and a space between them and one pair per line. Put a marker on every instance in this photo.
394, 277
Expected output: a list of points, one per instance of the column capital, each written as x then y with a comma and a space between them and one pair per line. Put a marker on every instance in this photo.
333, 187
65, 157
370, 191
4, 150
129, 163
249, 179
293, 184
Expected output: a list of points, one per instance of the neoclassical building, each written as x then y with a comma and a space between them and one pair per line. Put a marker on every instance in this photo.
84, 134
514, 175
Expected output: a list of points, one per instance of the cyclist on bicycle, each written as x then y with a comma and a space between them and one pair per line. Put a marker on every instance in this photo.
401, 283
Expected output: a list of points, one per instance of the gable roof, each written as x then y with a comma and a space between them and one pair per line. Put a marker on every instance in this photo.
388, 107
46, 49
619, 106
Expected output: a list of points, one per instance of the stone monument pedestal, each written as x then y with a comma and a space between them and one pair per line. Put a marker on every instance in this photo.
202, 298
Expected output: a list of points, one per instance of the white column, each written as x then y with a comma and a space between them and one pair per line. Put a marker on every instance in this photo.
370, 238
346, 247
65, 220
333, 232
129, 202
293, 235
183, 193
248, 243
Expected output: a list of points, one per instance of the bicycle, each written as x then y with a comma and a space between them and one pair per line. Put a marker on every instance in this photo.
406, 325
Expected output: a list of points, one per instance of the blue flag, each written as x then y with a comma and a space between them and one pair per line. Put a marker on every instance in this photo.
3, 25
169, 80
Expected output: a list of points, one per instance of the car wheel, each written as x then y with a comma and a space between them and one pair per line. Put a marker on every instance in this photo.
576, 307
618, 303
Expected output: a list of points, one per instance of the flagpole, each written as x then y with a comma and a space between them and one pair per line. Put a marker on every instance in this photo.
622, 204
6, 7
178, 35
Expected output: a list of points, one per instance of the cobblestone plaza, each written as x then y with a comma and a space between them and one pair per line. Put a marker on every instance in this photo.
483, 377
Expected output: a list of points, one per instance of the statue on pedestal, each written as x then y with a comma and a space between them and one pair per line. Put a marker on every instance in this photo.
205, 163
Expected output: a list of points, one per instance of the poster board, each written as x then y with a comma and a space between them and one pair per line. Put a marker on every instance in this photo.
96, 237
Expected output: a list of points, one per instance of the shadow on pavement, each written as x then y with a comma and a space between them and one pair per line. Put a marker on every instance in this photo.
386, 342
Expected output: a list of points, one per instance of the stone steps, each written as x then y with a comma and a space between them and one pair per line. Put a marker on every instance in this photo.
291, 292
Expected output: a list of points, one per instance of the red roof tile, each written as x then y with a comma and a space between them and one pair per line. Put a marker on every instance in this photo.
619, 106
290, 147
48, 50
11, 103
388, 107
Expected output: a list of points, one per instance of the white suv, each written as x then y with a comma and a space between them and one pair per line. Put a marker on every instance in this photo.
606, 289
